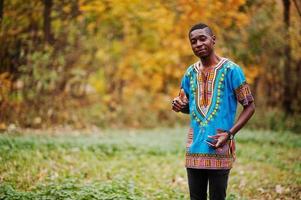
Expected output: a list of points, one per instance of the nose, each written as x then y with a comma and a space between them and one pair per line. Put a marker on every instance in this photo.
199, 43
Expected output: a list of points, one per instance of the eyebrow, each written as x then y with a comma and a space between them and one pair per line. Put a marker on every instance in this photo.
194, 37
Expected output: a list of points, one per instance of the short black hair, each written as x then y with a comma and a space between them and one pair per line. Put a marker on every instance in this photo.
200, 26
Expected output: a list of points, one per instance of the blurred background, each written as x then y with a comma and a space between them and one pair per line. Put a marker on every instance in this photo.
113, 63
86, 89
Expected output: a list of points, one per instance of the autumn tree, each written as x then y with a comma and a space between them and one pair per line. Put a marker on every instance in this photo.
129, 56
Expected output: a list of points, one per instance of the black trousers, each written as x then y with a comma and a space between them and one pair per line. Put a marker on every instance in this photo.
198, 180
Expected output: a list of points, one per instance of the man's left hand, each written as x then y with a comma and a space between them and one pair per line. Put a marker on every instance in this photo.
220, 139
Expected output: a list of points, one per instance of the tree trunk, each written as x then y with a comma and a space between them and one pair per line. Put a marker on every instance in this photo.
1, 9
47, 21
288, 81
75, 9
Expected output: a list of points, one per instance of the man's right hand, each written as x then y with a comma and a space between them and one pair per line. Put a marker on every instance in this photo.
180, 102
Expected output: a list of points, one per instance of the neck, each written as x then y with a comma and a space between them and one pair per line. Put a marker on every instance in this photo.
210, 60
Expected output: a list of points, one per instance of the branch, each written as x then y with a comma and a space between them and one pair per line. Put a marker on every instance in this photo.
299, 11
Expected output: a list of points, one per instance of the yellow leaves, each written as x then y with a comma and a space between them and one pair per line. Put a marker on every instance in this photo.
67, 8
98, 82
92, 6
91, 27
252, 72
238, 2
161, 103
101, 55
147, 50
156, 81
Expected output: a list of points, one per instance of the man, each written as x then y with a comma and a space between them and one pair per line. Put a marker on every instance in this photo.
209, 92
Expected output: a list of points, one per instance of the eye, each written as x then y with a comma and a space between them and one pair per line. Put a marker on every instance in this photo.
193, 41
203, 38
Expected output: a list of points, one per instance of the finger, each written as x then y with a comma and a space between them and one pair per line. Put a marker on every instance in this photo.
179, 106
218, 144
185, 100
181, 102
213, 136
176, 108
186, 106
175, 105
220, 130
221, 134
182, 94
183, 97
210, 144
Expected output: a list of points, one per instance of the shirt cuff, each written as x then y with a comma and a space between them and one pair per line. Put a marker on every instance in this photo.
244, 95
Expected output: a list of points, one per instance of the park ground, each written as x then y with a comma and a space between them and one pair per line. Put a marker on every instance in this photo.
139, 164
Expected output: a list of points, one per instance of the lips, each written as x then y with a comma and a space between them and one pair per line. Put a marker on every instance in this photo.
201, 51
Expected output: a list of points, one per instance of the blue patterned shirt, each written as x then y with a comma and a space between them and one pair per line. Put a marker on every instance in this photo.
213, 97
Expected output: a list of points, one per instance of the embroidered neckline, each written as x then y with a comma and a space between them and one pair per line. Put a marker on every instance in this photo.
198, 66
204, 97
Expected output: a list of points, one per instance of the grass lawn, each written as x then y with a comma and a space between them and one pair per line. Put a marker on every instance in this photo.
143, 164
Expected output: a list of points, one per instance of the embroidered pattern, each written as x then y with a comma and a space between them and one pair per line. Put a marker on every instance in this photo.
243, 94
205, 86
189, 139
208, 161
206, 114
223, 158
209, 91
206, 78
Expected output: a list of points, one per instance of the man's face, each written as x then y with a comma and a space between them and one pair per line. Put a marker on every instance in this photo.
202, 42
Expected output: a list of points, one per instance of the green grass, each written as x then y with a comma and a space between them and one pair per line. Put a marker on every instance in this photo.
144, 164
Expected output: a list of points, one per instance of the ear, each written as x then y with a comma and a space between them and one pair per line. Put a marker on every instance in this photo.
213, 38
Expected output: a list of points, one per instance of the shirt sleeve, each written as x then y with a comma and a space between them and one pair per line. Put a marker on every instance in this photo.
241, 88
185, 85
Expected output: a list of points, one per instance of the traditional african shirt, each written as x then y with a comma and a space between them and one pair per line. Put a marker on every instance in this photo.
213, 97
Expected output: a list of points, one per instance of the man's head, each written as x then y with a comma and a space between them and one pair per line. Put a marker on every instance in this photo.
202, 40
